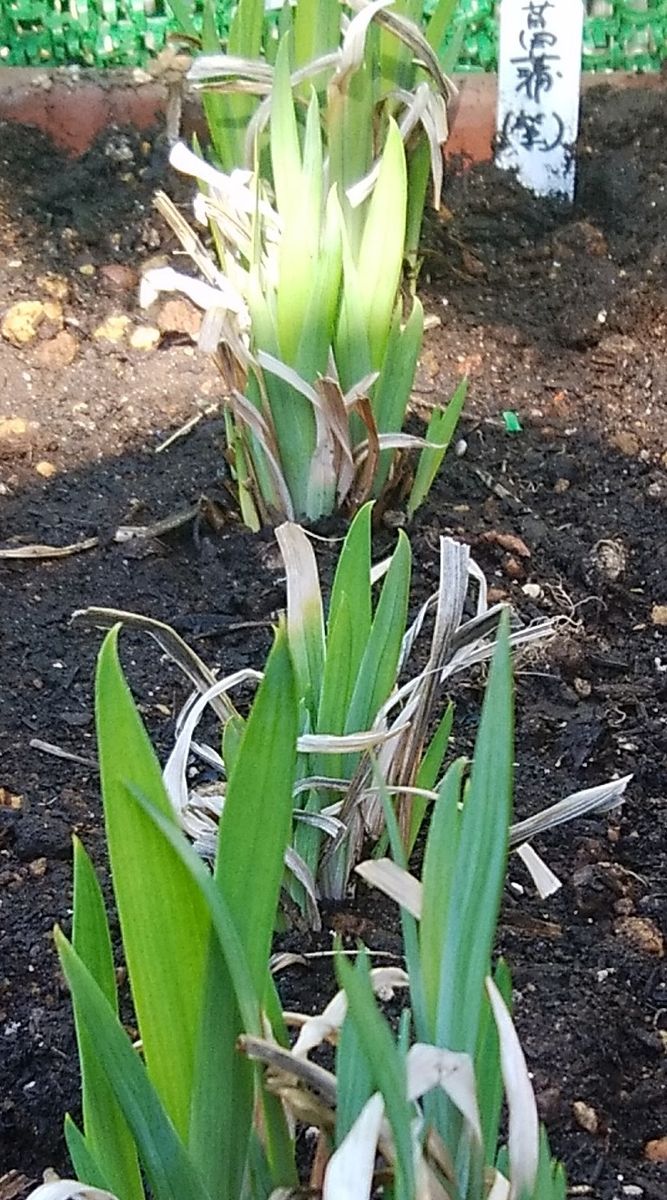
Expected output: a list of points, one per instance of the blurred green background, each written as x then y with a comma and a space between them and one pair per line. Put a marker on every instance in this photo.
617, 35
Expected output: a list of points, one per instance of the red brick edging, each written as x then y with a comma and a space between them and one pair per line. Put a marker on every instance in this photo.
74, 105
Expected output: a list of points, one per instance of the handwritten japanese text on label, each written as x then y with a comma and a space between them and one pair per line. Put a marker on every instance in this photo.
538, 92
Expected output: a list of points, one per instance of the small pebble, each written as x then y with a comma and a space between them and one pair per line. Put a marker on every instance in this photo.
119, 277
55, 286
513, 568
643, 935
46, 469
585, 1116
144, 337
656, 1150
532, 590
21, 322
113, 329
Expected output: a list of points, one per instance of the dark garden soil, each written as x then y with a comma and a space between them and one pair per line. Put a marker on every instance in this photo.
557, 315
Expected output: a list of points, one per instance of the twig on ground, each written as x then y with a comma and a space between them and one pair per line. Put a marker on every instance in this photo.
128, 533
59, 752
185, 429
37, 550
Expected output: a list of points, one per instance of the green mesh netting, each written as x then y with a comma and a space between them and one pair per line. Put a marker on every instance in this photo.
630, 35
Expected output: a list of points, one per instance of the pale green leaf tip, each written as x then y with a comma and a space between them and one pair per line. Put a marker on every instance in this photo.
404, 543
417, 307
109, 672
108, 654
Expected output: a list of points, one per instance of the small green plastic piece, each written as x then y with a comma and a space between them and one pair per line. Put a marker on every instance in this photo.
512, 422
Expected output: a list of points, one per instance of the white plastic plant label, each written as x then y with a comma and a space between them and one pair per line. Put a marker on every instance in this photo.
539, 75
